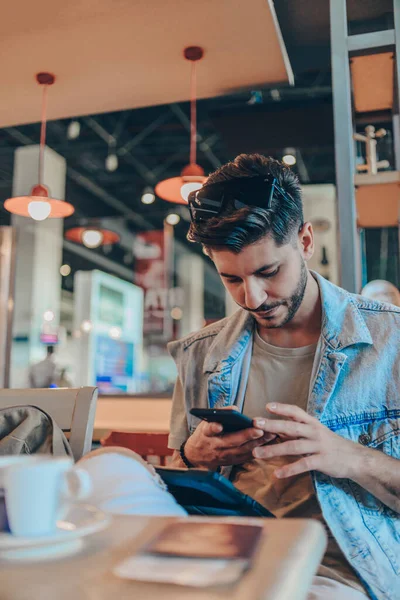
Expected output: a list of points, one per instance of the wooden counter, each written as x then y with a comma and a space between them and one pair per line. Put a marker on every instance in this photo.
132, 413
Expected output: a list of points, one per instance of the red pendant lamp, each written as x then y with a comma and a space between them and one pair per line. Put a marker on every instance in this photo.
38, 205
92, 237
192, 177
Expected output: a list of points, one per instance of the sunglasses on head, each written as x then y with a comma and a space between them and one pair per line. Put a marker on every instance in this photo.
212, 199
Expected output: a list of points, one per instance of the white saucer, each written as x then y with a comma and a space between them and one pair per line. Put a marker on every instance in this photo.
80, 521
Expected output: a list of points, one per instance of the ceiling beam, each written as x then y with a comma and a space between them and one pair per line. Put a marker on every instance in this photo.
145, 132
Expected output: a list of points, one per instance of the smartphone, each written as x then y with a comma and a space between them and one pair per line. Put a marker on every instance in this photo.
231, 420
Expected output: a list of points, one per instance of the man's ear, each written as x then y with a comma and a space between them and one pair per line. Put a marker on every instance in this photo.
306, 240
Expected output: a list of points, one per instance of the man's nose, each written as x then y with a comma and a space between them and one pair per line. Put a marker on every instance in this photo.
255, 295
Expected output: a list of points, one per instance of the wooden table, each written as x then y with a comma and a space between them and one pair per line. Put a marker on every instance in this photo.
284, 565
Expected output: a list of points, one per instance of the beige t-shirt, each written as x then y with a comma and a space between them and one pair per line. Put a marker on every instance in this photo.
283, 375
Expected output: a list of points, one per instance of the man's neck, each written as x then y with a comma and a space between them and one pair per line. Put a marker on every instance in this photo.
305, 327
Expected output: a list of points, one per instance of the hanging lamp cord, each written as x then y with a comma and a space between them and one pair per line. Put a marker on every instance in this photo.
193, 114
42, 134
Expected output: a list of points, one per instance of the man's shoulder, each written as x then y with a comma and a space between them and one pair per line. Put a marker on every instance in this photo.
375, 307
381, 318
224, 332
205, 334
337, 299
339, 295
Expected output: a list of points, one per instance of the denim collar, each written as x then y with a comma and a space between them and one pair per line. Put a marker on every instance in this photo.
342, 325
342, 322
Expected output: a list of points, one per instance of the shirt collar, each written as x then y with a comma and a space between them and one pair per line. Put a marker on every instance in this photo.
342, 325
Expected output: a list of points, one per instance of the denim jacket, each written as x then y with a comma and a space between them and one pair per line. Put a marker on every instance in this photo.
355, 392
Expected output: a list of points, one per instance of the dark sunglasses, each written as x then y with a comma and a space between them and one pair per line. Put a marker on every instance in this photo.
212, 199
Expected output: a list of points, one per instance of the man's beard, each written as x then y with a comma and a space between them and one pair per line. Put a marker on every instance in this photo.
293, 303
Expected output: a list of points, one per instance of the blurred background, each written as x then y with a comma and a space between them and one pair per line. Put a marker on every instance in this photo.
111, 284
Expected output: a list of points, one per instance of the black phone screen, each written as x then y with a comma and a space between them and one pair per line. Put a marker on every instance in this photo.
231, 420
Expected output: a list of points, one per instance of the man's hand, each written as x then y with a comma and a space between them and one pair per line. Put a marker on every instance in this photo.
320, 449
208, 448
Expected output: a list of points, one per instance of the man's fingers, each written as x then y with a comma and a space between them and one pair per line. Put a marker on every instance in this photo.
233, 440
290, 411
268, 437
241, 454
292, 448
248, 446
292, 429
237, 455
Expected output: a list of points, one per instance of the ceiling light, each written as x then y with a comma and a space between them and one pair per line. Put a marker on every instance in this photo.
65, 270
92, 237
74, 130
171, 189
39, 210
112, 162
289, 159
48, 316
148, 196
86, 326
38, 205
176, 313
275, 95
173, 219
177, 189
191, 186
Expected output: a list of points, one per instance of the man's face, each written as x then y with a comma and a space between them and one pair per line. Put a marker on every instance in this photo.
267, 280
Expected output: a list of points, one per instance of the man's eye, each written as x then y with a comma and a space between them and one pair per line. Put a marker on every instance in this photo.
233, 280
268, 275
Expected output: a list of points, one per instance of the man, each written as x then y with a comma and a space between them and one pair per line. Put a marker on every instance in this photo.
44, 373
316, 368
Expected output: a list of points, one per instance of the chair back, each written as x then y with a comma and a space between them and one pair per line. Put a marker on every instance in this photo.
143, 443
73, 409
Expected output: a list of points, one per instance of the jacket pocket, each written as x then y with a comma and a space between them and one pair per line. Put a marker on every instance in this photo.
382, 435
380, 431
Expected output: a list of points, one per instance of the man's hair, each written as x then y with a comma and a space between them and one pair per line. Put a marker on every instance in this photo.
50, 350
234, 228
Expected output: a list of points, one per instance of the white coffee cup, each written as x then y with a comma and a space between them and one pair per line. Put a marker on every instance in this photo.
6, 461
11, 459
38, 492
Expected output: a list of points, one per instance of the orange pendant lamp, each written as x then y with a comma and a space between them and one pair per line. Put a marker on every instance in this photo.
38, 205
177, 189
92, 237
